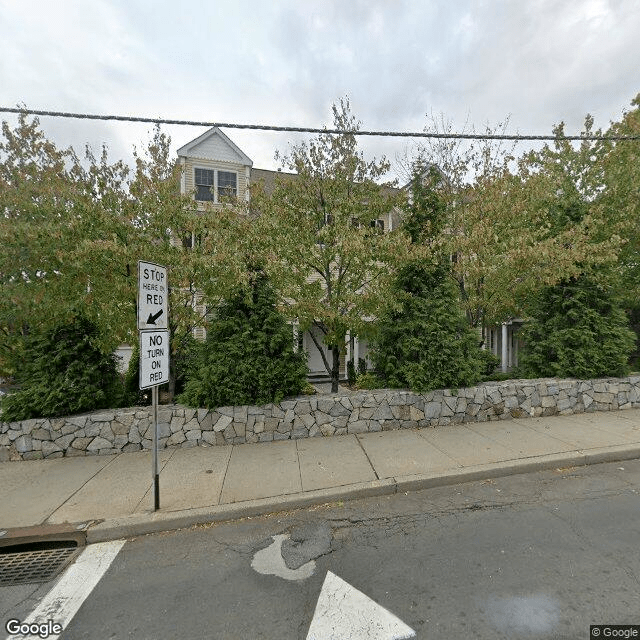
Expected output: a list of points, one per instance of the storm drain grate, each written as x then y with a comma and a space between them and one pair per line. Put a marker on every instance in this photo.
34, 565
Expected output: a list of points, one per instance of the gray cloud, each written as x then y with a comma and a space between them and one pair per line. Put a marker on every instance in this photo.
285, 62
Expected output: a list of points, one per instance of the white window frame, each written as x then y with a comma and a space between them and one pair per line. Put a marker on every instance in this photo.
214, 187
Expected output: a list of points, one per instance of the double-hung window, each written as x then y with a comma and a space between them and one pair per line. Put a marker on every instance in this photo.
227, 184
213, 185
204, 185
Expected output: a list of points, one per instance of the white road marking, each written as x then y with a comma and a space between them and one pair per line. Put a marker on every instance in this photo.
344, 613
76, 583
269, 561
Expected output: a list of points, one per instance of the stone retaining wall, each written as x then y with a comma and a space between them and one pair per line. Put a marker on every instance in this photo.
117, 430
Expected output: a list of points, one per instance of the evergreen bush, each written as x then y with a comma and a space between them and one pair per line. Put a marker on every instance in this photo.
423, 340
134, 396
63, 372
248, 356
576, 330
351, 373
489, 362
368, 381
634, 322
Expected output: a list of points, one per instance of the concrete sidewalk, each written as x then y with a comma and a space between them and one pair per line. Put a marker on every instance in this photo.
111, 496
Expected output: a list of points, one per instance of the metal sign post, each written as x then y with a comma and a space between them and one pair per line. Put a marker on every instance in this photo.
153, 312
154, 371
154, 457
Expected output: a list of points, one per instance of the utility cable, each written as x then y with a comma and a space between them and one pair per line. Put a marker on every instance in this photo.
266, 127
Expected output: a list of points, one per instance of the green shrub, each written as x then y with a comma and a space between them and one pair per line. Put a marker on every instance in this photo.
368, 381
248, 356
308, 389
577, 330
134, 396
634, 322
184, 358
423, 340
501, 376
362, 366
351, 373
489, 363
63, 372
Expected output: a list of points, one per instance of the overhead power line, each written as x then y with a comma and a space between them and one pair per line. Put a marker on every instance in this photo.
267, 127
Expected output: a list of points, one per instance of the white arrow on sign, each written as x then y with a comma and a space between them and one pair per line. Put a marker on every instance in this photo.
344, 613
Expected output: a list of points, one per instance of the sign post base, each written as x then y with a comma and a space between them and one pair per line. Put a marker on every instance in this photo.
154, 459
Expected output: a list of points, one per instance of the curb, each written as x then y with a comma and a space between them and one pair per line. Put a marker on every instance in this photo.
142, 524
146, 523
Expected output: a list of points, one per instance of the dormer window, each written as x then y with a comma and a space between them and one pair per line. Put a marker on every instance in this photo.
213, 185
204, 183
227, 184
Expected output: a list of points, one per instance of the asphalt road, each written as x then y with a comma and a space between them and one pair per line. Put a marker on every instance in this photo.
540, 555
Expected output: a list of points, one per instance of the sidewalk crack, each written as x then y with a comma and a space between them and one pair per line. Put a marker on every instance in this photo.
226, 470
299, 469
82, 486
368, 458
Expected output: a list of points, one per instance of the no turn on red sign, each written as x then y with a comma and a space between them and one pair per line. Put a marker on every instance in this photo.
154, 358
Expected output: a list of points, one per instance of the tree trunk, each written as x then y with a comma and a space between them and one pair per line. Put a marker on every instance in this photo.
335, 369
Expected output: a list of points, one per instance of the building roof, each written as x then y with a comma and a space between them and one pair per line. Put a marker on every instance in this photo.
268, 178
188, 149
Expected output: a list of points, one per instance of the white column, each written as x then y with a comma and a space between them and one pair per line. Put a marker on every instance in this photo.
481, 337
356, 351
504, 348
296, 330
348, 346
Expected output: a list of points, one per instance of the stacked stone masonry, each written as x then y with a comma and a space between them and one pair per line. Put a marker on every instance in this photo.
117, 430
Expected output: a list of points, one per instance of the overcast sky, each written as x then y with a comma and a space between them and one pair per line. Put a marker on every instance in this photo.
285, 62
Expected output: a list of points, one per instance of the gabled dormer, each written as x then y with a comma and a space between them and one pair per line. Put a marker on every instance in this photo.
213, 166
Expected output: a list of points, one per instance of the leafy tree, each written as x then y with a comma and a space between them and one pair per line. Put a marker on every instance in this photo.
63, 371
504, 225
248, 356
621, 194
621, 177
577, 326
423, 340
201, 248
73, 231
576, 329
330, 267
